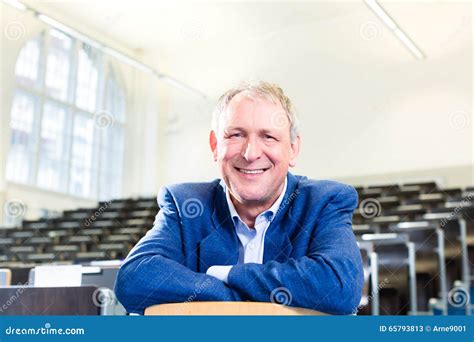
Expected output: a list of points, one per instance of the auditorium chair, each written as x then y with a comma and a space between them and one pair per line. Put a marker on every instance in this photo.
118, 225
428, 239
425, 187
369, 302
394, 271
406, 212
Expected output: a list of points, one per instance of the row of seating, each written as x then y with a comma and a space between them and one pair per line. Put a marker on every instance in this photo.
106, 232
415, 239
415, 250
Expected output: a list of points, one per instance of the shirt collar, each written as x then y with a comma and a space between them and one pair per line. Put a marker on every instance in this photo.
270, 212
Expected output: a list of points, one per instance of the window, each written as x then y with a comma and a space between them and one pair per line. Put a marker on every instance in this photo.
67, 119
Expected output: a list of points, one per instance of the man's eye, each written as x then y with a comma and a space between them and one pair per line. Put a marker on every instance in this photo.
235, 135
266, 136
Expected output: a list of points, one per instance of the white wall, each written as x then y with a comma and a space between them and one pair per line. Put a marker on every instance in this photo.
367, 106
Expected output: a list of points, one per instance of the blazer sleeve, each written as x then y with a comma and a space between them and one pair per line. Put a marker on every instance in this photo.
329, 278
154, 271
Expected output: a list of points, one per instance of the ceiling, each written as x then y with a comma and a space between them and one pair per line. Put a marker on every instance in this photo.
150, 24
237, 40
351, 80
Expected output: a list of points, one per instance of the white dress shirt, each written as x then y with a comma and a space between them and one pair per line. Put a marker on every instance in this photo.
252, 240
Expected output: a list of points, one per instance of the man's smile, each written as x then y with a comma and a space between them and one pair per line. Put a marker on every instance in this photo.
251, 172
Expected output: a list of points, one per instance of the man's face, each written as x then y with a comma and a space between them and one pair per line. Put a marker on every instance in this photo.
253, 149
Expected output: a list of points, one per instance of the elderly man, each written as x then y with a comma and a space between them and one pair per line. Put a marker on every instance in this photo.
258, 234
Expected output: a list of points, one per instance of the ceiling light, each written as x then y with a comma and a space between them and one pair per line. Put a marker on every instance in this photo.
396, 30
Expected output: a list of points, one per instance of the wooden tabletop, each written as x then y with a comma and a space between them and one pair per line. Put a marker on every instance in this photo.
227, 309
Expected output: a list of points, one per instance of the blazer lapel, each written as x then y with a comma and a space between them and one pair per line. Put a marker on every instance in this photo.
278, 245
221, 246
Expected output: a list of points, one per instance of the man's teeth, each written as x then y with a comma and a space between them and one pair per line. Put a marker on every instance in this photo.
251, 171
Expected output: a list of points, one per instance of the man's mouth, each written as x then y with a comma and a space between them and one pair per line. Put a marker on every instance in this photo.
251, 171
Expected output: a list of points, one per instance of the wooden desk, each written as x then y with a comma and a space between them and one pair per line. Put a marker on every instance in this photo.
27, 300
227, 309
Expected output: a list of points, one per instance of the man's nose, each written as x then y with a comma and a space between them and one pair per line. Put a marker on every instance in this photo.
251, 150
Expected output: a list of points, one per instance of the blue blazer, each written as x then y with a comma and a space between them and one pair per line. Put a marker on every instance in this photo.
311, 258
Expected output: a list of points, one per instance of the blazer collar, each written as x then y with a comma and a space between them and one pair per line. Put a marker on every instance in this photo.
222, 216
270, 212
277, 243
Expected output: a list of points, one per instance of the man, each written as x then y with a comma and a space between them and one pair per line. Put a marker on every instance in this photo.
259, 234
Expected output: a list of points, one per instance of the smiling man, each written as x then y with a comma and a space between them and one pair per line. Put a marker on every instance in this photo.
259, 233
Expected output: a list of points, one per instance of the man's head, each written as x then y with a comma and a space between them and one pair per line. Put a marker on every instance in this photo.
255, 139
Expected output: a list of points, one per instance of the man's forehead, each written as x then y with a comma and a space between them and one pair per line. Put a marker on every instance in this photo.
272, 121
249, 103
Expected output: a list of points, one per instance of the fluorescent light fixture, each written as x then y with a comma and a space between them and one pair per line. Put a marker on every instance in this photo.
127, 60
397, 31
16, 4
380, 12
408, 43
67, 30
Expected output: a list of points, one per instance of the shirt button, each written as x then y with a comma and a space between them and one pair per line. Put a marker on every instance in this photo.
251, 245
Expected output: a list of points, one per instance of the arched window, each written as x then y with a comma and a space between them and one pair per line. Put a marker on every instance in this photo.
67, 119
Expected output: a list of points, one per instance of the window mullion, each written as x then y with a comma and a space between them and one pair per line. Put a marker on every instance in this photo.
101, 105
35, 157
72, 111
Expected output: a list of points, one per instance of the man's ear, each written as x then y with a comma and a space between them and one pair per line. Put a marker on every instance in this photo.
295, 151
213, 144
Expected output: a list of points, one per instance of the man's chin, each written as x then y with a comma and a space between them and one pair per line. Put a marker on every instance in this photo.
252, 198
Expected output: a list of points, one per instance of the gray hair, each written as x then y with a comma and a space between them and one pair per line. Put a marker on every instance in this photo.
267, 90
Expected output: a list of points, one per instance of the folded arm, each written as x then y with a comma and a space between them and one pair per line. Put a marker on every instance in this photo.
328, 279
154, 271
